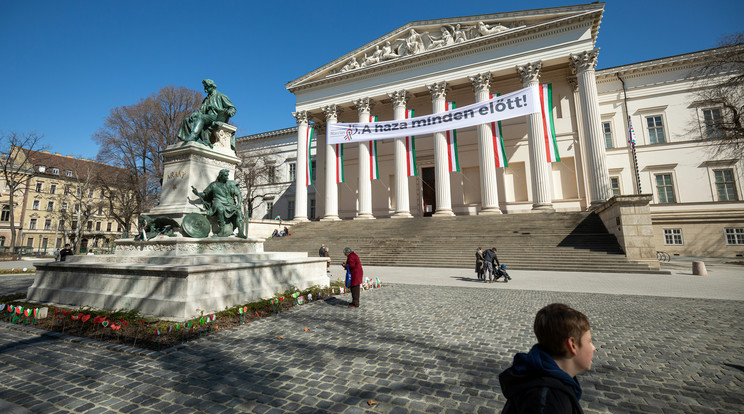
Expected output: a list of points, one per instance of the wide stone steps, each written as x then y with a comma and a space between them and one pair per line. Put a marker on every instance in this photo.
553, 241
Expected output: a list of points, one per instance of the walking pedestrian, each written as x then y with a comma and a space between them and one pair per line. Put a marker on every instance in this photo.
488, 258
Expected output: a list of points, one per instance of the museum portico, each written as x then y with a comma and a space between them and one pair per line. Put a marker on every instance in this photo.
423, 66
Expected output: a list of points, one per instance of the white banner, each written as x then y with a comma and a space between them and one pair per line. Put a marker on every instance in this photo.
522, 102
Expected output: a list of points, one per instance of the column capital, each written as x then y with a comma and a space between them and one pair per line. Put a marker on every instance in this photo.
438, 90
573, 82
399, 97
481, 81
530, 73
302, 117
364, 104
331, 111
584, 61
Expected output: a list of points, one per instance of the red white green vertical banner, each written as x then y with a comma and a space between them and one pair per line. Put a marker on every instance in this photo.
309, 163
498, 143
411, 168
546, 104
339, 163
452, 158
374, 172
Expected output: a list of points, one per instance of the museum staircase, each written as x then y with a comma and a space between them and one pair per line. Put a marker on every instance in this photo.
573, 241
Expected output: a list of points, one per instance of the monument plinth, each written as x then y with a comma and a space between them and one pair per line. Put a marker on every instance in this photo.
176, 274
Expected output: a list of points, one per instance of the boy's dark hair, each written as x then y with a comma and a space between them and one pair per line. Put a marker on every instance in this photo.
557, 322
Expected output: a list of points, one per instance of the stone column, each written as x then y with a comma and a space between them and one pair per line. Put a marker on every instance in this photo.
539, 166
441, 166
300, 180
331, 187
584, 65
364, 106
486, 157
402, 209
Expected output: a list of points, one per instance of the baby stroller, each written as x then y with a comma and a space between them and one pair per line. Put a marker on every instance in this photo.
501, 271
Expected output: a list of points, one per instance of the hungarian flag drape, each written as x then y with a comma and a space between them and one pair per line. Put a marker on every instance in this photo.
546, 104
309, 163
498, 144
411, 150
374, 173
452, 158
339, 163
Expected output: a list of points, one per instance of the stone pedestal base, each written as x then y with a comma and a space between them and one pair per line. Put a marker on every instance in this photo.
175, 279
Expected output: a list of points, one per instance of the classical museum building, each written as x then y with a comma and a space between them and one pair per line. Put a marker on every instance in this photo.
527, 164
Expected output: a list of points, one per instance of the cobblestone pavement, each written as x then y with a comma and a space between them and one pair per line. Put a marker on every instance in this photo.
409, 348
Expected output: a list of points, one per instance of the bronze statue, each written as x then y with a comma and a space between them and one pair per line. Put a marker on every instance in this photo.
216, 109
222, 199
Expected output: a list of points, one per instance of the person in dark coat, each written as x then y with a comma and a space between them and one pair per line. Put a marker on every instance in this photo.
65, 252
357, 275
479, 263
544, 380
488, 258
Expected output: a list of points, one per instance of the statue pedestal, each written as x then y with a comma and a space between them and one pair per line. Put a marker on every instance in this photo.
188, 164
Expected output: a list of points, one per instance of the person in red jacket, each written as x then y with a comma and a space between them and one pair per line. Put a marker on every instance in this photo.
357, 275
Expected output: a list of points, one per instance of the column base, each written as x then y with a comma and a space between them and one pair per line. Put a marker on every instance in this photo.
301, 218
443, 213
542, 208
366, 216
401, 214
490, 211
331, 218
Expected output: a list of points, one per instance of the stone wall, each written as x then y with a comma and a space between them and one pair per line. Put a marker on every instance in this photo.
628, 217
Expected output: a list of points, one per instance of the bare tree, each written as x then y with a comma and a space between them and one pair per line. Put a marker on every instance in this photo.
17, 170
132, 137
256, 173
81, 203
120, 187
721, 85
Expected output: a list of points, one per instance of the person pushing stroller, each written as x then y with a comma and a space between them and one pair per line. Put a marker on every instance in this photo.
494, 271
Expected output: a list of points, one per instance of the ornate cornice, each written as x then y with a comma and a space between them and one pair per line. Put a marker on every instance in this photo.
438, 90
529, 72
584, 61
481, 81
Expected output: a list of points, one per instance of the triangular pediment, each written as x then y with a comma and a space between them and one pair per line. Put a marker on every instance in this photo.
422, 39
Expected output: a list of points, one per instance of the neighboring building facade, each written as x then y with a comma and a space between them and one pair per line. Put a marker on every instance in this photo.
696, 208
65, 203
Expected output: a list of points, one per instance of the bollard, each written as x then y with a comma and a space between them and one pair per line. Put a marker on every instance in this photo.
698, 268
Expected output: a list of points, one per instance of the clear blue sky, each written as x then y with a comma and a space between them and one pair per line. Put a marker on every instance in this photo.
66, 64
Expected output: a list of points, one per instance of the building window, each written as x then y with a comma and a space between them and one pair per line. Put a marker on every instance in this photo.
35, 205
607, 130
50, 206
53, 189
2, 240
39, 186
32, 224
30, 242
615, 184
655, 129
47, 224
108, 226
725, 185
312, 170
292, 171
269, 210
735, 235
68, 173
271, 171
673, 237
61, 225
118, 227
312, 208
55, 171
67, 189
90, 193
5, 216
713, 119
89, 226
290, 209
42, 168
64, 207
74, 225
45, 243
100, 210
98, 226
664, 188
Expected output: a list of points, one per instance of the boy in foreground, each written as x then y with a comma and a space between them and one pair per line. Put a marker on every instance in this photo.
544, 380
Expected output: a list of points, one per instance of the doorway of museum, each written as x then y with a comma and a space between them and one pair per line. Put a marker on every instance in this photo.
428, 192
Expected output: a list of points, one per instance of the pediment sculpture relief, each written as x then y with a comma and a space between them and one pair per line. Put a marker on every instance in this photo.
413, 43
